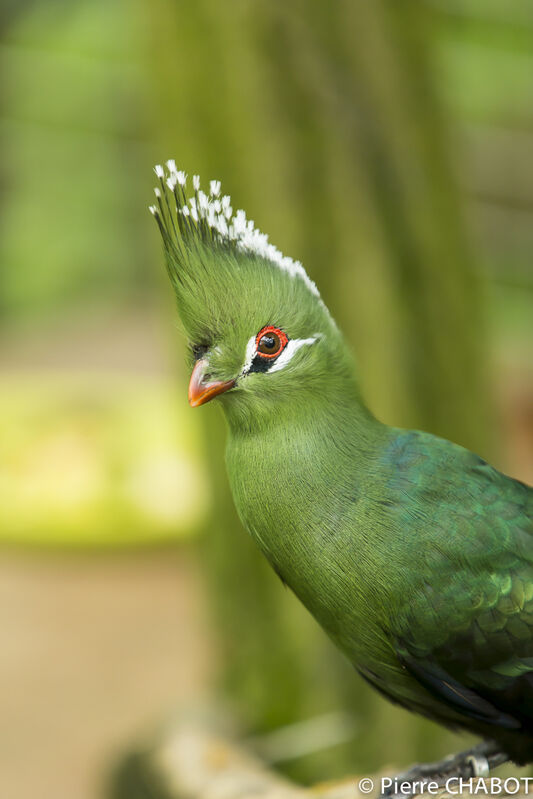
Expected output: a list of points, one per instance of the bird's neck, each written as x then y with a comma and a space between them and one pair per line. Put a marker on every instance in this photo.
295, 479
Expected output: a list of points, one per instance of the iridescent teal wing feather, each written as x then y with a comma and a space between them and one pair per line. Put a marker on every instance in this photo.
465, 628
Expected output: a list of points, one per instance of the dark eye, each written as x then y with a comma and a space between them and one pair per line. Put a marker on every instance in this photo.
270, 342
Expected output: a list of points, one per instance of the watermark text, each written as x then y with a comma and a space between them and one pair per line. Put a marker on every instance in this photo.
455, 786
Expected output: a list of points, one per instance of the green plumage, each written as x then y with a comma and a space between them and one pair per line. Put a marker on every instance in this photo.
414, 554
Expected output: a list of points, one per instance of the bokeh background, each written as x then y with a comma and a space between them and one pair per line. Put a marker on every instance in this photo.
389, 146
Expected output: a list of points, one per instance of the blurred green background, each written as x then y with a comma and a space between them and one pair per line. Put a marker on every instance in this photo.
390, 148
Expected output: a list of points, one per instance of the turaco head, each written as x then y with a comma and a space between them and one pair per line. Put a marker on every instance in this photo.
261, 339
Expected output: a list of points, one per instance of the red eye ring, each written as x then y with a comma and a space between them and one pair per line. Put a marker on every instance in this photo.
279, 341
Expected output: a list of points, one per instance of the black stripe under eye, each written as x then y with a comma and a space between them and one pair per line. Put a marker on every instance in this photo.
261, 364
198, 351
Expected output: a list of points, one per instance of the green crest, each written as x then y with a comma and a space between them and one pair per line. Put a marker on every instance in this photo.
223, 269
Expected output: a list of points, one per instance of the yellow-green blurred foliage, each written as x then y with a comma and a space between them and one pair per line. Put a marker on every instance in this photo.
97, 461
388, 146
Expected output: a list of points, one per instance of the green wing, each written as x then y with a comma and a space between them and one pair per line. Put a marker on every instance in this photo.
464, 625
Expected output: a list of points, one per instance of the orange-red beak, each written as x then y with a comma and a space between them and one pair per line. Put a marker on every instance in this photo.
200, 390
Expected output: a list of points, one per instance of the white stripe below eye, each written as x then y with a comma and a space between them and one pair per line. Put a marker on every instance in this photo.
251, 352
292, 347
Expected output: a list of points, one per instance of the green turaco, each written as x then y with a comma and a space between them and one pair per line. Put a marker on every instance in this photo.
415, 555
